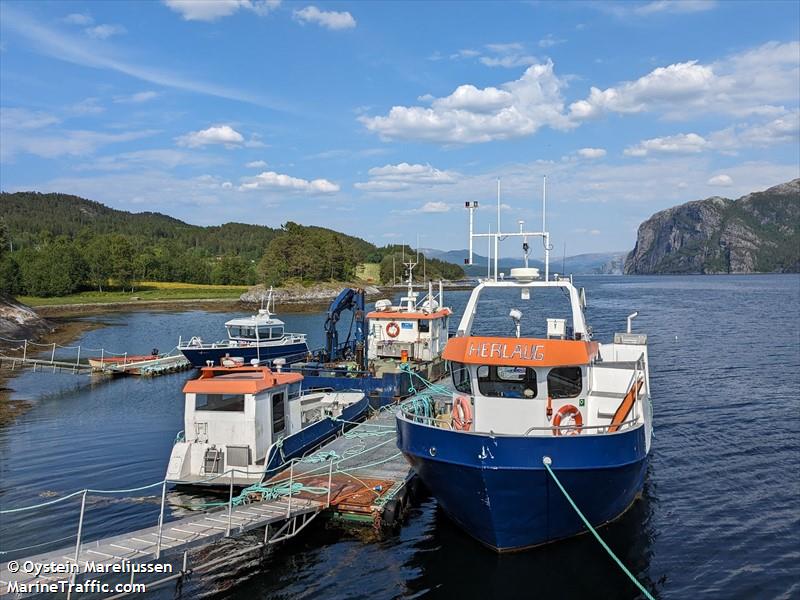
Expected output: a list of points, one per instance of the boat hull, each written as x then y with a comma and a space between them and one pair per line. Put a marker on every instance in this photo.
497, 490
200, 355
312, 436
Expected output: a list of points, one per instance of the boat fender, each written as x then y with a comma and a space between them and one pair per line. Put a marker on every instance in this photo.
462, 413
393, 329
389, 517
568, 410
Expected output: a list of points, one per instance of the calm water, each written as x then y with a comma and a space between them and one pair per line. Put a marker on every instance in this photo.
719, 516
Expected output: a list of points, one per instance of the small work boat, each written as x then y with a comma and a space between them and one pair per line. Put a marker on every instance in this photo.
243, 423
98, 363
260, 337
385, 347
527, 409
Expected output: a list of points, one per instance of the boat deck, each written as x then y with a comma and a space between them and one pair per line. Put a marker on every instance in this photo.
369, 470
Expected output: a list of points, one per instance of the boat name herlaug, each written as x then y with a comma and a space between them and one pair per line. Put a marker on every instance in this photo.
522, 351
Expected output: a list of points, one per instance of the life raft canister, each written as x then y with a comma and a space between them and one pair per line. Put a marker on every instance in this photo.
568, 410
462, 413
393, 329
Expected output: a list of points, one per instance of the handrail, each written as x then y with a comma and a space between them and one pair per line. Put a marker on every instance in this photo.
421, 418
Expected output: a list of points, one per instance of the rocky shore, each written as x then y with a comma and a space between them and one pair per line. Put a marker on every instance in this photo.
317, 294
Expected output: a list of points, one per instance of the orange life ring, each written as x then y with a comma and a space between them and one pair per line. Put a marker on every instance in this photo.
393, 329
462, 413
568, 410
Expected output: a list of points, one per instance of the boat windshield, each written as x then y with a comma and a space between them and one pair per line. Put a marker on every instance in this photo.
506, 382
219, 402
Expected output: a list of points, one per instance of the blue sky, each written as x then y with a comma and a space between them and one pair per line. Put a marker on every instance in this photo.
381, 119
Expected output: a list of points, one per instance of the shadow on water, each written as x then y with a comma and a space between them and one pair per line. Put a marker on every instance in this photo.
453, 565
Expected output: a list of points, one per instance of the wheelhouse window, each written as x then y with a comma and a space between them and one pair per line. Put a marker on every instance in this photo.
507, 382
278, 414
248, 333
460, 374
564, 382
267, 333
424, 326
219, 402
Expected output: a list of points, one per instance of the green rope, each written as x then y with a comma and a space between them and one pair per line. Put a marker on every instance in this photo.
546, 461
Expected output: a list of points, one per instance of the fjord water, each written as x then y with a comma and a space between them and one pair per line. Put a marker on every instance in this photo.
718, 517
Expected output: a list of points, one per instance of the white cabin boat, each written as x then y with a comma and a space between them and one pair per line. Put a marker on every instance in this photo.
242, 423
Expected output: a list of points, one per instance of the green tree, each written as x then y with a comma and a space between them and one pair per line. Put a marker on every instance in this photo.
55, 269
120, 257
10, 280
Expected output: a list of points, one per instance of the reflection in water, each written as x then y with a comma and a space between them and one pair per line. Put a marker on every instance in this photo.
718, 516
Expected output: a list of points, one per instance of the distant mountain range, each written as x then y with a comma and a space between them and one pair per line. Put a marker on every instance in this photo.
758, 233
606, 263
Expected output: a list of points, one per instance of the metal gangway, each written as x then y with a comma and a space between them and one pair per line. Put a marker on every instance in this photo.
34, 355
279, 512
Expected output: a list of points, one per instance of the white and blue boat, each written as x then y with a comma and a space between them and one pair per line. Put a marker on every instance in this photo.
242, 424
260, 337
519, 402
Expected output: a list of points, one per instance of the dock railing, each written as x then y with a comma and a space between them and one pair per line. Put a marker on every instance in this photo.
284, 487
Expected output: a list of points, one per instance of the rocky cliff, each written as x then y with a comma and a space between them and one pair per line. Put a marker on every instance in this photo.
759, 232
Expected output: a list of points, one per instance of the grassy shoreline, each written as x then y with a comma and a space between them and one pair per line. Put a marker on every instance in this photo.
146, 291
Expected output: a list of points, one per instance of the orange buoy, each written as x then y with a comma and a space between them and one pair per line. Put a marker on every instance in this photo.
462, 413
568, 410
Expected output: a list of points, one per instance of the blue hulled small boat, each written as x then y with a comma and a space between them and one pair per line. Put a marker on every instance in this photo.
260, 337
518, 402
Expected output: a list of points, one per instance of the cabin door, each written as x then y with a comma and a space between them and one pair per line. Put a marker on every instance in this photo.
278, 415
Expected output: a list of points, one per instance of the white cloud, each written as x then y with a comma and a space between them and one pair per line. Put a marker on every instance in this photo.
434, 207
217, 134
270, 180
549, 41
328, 19
22, 118
160, 158
721, 180
683, 143
473, 115
508, 61
88, 106
256, 164
136, 98
592, 152
55, 44
211, 10
748, 83
102, 32
52, 144
784, 129
404, 176
78, 19
674, 6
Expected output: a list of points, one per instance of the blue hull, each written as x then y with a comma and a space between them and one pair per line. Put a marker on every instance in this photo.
497, 490
312, 436
381, 391
199, 356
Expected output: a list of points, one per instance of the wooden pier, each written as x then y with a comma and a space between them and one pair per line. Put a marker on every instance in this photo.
370, 478
359, 476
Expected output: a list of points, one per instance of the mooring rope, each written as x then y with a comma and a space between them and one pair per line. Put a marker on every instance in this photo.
546, 461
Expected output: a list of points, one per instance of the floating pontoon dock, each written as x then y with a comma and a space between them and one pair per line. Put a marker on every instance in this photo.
359, 476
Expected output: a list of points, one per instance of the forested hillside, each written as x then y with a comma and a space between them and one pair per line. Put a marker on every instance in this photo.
57, 244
